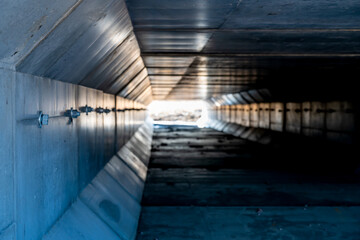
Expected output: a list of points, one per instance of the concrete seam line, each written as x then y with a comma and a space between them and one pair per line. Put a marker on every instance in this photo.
71, 10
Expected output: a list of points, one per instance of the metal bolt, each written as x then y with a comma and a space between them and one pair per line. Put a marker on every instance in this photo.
71, 114
99, 110
74, 113
43, 119
86, 109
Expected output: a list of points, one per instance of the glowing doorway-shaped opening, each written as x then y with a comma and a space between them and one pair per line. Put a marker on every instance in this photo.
189, 112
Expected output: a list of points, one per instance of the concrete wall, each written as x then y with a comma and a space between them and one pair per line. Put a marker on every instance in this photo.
44, 169
109, 207
333, 121
61, 55
7, 196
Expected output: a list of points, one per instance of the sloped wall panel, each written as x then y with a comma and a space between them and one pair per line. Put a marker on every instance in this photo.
89, 43
33, 20
51, 164
109, 205
91, 32
333, 121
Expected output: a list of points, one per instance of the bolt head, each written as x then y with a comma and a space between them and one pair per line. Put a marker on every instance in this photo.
45, 119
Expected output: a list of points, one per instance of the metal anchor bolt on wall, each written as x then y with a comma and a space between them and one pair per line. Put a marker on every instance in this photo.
99, 110
86, 109
71, 114
43, 119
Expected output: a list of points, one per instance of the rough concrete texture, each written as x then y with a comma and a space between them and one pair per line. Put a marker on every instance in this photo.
6, 152
205, 184
202, 49
107, 208
50, 165
249, 223
33, 19
46, 158
88, 42
334, 120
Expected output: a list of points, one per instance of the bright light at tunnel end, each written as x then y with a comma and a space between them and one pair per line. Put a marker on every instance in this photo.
177, 112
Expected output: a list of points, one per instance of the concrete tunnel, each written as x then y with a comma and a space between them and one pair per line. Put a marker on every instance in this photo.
80, 158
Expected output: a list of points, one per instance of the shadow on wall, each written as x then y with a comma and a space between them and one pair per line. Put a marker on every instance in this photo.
318, 137
109, 207
52, 164
334, 121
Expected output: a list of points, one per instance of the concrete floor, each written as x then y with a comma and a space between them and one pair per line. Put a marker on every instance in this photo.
203, 184
274, 223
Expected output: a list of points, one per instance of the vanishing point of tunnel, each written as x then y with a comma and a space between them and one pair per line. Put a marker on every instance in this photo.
273, 156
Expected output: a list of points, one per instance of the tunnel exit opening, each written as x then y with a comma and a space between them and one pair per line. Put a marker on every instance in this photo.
179, 112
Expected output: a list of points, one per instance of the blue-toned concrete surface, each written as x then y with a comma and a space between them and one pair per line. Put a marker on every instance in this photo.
245, 223
279, 77
86, 42
44, 169
33, 20
79, 222
46, 159
109, 207
58, 46
7, 197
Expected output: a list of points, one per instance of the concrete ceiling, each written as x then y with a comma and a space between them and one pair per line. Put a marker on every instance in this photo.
85, 42
295, 48
187, 49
